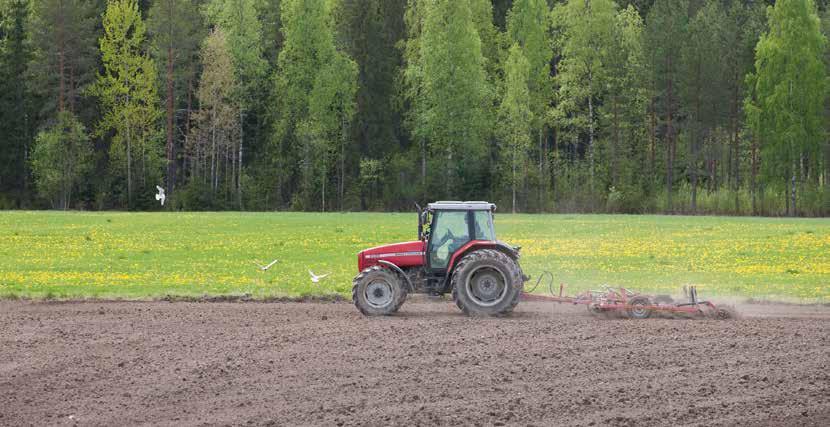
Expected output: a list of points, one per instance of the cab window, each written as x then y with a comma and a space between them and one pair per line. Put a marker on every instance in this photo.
484, 226
449, 232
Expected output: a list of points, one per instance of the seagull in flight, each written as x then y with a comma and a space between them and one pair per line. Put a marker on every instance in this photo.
160, 195
265, 267
315, 278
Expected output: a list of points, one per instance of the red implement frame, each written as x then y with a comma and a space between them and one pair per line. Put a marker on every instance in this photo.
619, 300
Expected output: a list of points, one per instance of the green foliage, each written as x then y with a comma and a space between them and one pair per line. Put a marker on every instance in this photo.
516, 117
239, 19
15, 106
527, 25
128, 96
790, 89
213, 145
65, 55
316, 85
175, 29
60, 160
586, 31
667, 25
454, 94
634, 106
367, 30
623, 112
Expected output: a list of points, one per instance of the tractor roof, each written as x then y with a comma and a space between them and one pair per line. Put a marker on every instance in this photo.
461, 206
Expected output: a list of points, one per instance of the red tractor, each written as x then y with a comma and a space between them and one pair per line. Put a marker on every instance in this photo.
456, 252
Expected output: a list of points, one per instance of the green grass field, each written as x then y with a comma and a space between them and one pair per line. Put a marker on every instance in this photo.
150, 255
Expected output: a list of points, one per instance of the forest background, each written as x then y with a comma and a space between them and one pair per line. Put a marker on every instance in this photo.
666, 106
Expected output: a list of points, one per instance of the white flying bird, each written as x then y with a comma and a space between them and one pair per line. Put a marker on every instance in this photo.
160, 196
265, 267
315, 278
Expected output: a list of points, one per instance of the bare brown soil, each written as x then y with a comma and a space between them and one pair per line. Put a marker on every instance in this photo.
180, 363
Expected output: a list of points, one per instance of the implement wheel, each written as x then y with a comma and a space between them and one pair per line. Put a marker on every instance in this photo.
378, 291
487, 282
637, 308
724, 313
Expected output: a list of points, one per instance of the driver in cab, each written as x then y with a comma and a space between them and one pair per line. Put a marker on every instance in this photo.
450, 234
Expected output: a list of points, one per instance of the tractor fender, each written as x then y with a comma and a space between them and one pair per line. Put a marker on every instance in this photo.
400, 271
482, 244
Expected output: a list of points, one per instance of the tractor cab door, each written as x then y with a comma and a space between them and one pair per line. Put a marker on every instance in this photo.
449, 231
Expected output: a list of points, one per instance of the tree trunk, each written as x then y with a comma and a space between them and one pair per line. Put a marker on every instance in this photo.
129, 168
448, 184
239, 160
693, 170
553, 169
826, 175
753, 173
61, 60
695, 142
342, 183
213, 151
515, 155
736, 174
616, 143
70, 92
792, 192
424, 169
171, 155
591, 147
652, 135
670, 136
541, 173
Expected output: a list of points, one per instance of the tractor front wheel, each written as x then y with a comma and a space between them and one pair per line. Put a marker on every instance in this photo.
487, 282
378, 291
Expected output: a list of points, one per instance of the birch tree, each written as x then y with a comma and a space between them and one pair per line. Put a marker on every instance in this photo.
215, 134
455, 96
790, 89
528, 24
129, 101
515, 119
586, 31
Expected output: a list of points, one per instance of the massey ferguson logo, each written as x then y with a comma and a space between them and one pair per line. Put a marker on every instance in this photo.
396, 254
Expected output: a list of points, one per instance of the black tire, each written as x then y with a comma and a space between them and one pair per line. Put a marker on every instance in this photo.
378, 291
487, 282
455, 300
637, 308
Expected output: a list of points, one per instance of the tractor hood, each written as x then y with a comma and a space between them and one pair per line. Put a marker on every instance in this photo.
406, 254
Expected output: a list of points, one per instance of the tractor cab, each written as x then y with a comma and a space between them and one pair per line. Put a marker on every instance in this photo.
452, 226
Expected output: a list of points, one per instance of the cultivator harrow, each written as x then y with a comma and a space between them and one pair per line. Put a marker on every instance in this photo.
625, 302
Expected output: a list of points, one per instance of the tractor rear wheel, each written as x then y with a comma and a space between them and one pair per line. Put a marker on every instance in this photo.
378, 291
487, 282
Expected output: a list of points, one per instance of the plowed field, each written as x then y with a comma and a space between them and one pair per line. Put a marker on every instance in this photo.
117, 363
